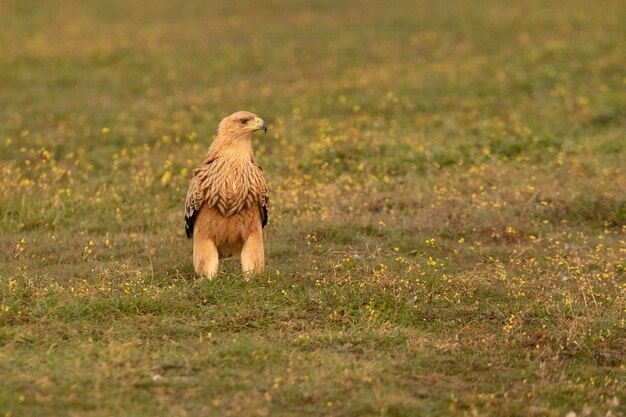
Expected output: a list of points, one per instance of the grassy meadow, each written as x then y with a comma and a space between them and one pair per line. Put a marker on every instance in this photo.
448, 225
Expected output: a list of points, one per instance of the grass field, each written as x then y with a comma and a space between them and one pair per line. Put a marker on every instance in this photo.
448, 225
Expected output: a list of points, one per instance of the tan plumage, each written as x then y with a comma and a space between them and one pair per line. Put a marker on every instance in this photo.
227, 201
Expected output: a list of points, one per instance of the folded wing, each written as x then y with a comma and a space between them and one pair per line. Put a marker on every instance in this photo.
209, 185
193, 202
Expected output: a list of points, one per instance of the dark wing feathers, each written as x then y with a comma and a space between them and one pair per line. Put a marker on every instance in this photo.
264, 198
265, 208
193, 202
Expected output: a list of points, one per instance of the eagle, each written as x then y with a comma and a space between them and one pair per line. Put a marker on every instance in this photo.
227, 201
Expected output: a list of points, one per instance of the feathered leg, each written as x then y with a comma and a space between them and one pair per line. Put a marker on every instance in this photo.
252, 253
205, 257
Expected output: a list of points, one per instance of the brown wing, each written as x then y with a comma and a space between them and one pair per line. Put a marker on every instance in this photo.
193, 202
207, 186
264, 198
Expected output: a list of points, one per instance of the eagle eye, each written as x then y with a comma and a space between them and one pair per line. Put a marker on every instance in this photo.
243, 121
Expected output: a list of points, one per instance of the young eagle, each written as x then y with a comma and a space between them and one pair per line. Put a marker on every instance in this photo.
227, 201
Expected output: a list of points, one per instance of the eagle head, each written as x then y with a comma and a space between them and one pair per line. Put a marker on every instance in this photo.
241, 122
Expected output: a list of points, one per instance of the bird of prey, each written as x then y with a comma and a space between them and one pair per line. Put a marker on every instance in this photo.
227, 201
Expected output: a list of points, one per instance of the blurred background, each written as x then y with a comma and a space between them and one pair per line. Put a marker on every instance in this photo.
448, 195
349, 87
149, 67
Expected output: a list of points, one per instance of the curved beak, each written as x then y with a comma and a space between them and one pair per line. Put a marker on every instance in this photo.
260, 124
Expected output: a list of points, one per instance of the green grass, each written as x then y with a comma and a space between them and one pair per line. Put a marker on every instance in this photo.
448, 224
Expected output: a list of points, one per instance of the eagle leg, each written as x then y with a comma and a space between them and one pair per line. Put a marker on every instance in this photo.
205, 257
252, 253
